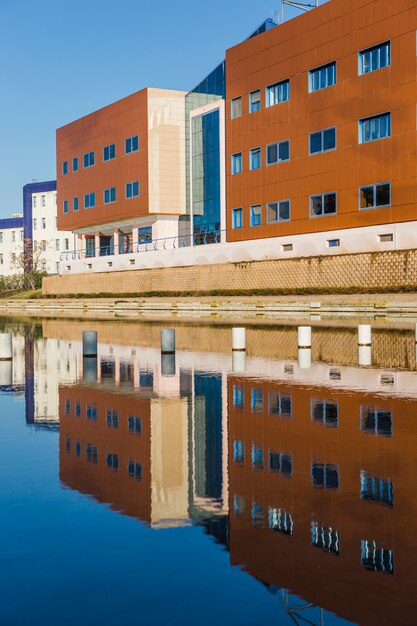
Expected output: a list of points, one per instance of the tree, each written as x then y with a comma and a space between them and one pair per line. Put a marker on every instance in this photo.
30, 260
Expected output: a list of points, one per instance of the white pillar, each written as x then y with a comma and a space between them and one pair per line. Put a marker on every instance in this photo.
239, 339
304, 358
116, 241
364, 335
239, 361
6, 347
304, 337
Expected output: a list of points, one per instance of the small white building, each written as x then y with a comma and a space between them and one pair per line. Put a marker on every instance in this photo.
11, 244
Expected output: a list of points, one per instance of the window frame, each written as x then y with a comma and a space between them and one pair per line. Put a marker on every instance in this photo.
232, 101
75, 164
312, 72
252, 215
378, 46
278, 202
315, 195
65, 207
132, 148
374, 186
252, 153
316, 132
286, 81
251, 104
64, 168
235, 212
361, 139
278, 143
234, 156
108, 148
89, 158
109, 191
89, 195
133, 195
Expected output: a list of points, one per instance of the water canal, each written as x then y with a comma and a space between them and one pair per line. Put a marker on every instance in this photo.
137, 488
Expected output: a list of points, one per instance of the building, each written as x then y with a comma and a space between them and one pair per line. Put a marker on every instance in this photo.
11, 244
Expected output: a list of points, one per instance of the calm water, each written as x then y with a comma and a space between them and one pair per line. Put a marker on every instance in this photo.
197, 490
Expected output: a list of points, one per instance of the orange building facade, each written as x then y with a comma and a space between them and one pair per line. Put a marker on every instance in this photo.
321, 120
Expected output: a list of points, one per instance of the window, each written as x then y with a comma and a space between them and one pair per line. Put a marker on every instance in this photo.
237, 163
376, 127
35, 226
238, 451
75, 164
279, 404
257, 457
375, 196
386, 237
257, 515
325, 538
278, 211
376, 421
89, 200
112, 418
68, 445
145, 234
66, 244
43, 200
1, 259
132, 189
44, 223
34, 201
255, 159
134, 469
323, 204
333, 243
280, 463
236, 107
109, 152
277, 152
257, 400
134, 425
325, 412
279, 92
91, 412
238, 397
132, 144
322, 77
112, 461
92, 453
237, 218
110, 195
254, 101
239, 505
77, 409
325, 475
89, 159
323, 141
376, 489
376, 559
78, 448
57, 245
67, 407
280, 521
75, 204
375, 58
256, 215
65, 167
66, 206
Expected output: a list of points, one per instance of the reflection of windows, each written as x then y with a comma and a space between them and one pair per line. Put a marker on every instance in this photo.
281, 463
92, 453
322, 77
376, 421
112, 418
325, 538
376, 559
280, 521
279, 404
134, 469
277, 152
238, 397
257, 515
377, 489
325, 412
78, 448
279, 92
239, 505
68, 445
145, 234
325, 475
77, 409
91, 411
112, 461
257, 400
238, 451
67, 407
146, 379
257, 457
134, 425
375, 58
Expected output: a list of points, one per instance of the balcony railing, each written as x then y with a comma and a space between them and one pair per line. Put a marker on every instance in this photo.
156, 245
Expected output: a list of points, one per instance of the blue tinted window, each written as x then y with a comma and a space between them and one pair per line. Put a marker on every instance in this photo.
89, 159
325, 412
237, 163
89, 200
325, 538
237, 218
238, 451
132, 144
376, 489
322, 77
323, 140
134, 469
75, 164
112, 418
112, 461
373, 128
65, 206
65, 167
375, 58
145, 234
75, 204
325, 475
279, 92
132, 189
257, 457
280, 521
134, 425
109, 152
257, 400
238, 397
376, 421
376, 559
256, 215
110, 195
255, 158
254, 101
277, 152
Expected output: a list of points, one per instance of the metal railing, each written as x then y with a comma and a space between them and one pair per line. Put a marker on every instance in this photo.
155, 245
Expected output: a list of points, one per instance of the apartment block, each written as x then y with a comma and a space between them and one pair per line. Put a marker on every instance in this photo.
11, 244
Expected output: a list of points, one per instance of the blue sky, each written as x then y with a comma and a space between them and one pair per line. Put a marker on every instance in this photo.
62, 60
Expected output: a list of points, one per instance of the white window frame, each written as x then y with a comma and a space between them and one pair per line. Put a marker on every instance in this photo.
325, 193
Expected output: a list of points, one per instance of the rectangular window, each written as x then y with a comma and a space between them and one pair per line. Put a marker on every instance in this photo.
91, 412
257, 457
277, 152
145, 234
280, 463
375, 58
112, 461
34, 201
35, 225
65, 206
278, 92
89, 200
65, 167
280, 521
112, 418
237, 218
256, 400
57, 245
132, 144
238, 451
13, 236
1, 236
376, 559
278, 211
75, 164
109, 152
134, 470
75, 204
376, 127
322, 77
256, 215
255, 159
110, 195
43, 200
1, 259
325, 412
279, 404
44, 223
325, 475
66, 244
254, 101
325, 538
238, 397
376, 421
258, 515
132, 189
333, 243
376, 489
323, 141
237, 163
134, 425
89, 159
375, 196
385, 238
92, 453
323, 204
236, 107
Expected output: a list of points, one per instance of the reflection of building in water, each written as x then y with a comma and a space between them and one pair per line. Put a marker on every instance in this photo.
323, 494
152, 445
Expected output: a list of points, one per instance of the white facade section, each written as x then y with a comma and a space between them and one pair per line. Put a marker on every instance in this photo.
11, 246
49, 241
